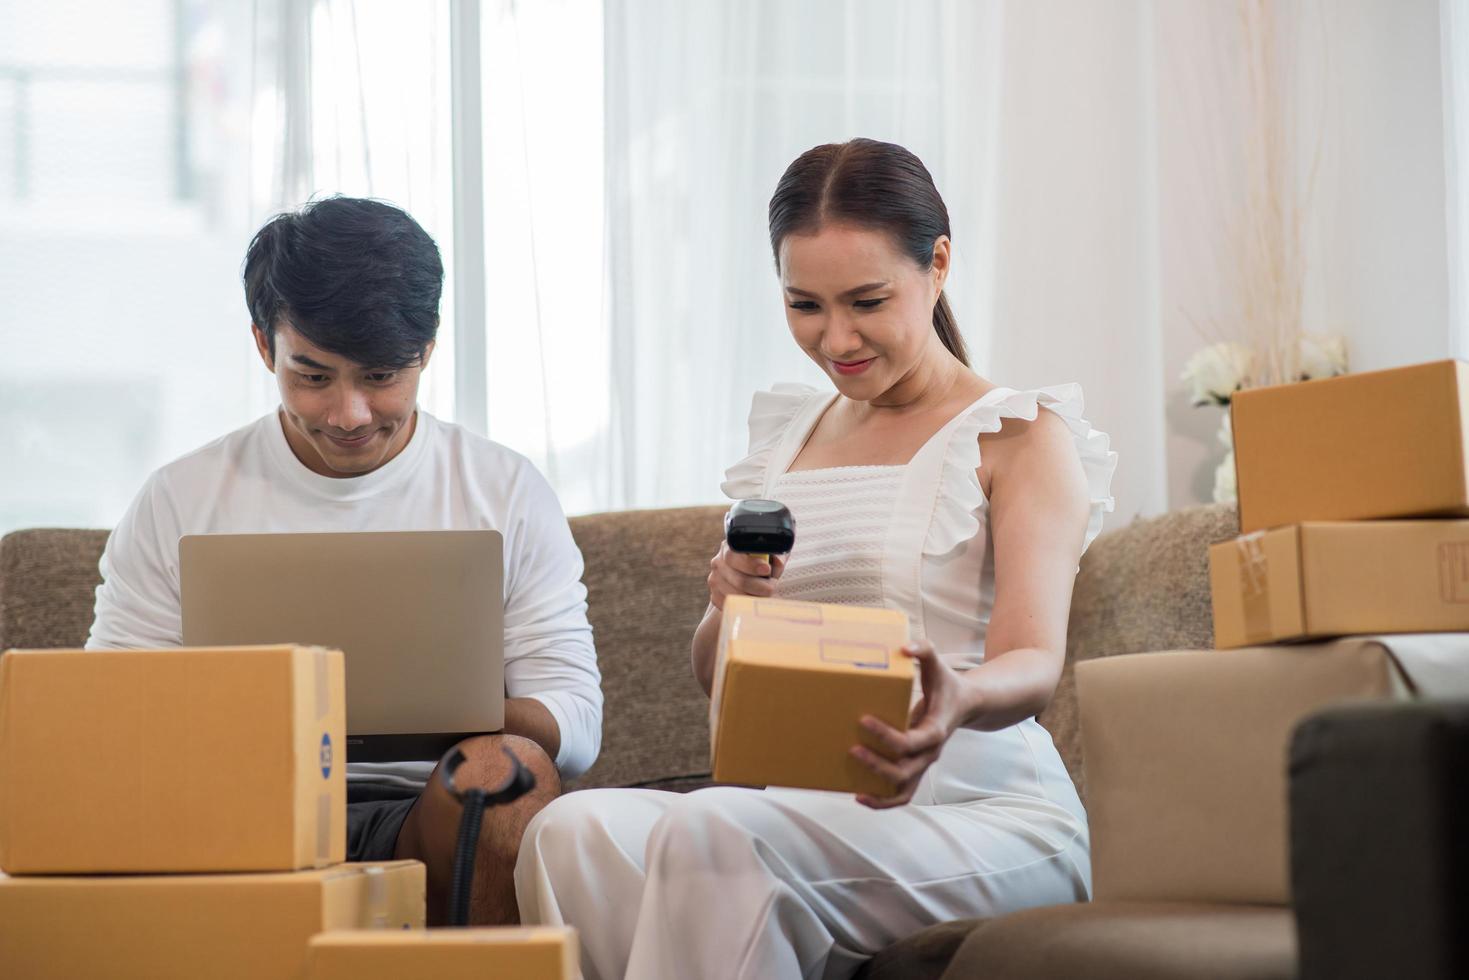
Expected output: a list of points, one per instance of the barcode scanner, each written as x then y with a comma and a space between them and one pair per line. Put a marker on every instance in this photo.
760, 528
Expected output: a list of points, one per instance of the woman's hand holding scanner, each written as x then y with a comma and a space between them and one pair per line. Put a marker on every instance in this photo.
733, 573
903, 757
758, 534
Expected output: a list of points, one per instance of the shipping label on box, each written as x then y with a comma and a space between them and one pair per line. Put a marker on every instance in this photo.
529, 953
1382, 444
161, 761
184, 927
1186, 762
791, 684
1316, 580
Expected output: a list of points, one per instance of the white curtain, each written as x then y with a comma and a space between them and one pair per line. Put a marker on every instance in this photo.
707, 102
1454, 26
353, 98
1095, 159
1090, 154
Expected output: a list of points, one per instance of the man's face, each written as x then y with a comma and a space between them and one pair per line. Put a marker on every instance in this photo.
341, 418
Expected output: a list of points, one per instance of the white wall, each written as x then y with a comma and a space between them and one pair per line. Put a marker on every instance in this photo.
1367, 85
1075, 229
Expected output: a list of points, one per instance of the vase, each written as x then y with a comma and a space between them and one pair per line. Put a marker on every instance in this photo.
1225, 489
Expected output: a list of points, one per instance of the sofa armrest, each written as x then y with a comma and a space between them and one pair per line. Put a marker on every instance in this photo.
1379, 802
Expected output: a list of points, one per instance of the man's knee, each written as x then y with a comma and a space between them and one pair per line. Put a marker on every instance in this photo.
487, 766
433, 825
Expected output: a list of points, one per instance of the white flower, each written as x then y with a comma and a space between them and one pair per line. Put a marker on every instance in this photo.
1225, 490
1215, 373
1322, 356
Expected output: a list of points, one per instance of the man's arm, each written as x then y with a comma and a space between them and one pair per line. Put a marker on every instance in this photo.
531, 719
137, 604
552, 685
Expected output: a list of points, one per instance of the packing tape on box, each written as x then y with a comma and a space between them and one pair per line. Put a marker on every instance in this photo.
377, 898
322, 662
324, 830
1254, 575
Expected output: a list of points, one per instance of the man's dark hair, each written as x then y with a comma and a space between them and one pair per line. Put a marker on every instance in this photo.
355, 277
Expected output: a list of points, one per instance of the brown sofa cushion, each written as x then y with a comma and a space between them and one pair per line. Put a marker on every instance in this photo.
646, 592
1143, 587
645, 582
922, 956
47, 580
1131, 941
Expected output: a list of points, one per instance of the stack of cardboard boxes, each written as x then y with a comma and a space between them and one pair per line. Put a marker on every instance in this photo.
1352, 494
182, 813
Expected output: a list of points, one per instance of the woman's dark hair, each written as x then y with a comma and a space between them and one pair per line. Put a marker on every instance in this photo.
356, 277
873, 185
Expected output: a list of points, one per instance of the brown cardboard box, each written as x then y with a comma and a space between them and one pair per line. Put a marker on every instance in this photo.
791, 684
1322, 579
543, 953
1358, 447
216, 759
245, 926
1186, 762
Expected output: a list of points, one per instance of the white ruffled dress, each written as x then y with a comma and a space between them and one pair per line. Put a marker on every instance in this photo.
916, 538
744, 884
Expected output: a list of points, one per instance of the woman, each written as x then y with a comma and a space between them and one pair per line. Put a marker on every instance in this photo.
916, 485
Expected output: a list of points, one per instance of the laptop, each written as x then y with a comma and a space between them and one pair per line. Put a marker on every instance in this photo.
418, 615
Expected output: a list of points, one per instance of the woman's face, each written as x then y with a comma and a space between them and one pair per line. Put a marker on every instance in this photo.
859, 307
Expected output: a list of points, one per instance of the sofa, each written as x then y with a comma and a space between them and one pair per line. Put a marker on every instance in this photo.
1142, 587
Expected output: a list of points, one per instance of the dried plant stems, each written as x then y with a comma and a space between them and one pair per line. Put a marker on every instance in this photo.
1267, 235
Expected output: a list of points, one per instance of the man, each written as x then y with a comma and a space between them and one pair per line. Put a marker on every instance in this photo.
343, 297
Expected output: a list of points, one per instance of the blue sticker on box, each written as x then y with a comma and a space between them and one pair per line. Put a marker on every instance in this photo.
326, 755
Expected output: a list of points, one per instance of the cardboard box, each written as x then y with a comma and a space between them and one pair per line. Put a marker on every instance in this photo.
791, 684
246, 926
1359, 447
543, 953
1186, 762
1320, 580
193, 760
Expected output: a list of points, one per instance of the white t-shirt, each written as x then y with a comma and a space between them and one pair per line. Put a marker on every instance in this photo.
446, 478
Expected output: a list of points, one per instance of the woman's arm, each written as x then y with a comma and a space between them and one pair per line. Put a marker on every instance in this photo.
702, 653
1039, 508
1038, 518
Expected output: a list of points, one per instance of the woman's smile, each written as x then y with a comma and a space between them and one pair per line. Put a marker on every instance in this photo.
850, 368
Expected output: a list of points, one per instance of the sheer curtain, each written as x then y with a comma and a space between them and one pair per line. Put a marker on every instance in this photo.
1454, 24
707, 102
353, 98
123, 216
143, 145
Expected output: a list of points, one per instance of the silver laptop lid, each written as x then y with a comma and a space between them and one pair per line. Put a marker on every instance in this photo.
418, 615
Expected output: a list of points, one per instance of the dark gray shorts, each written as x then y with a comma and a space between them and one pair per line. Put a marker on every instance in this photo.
375, 814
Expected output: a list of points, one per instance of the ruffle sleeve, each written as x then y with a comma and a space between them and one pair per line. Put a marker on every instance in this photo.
771, 413
957, 510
